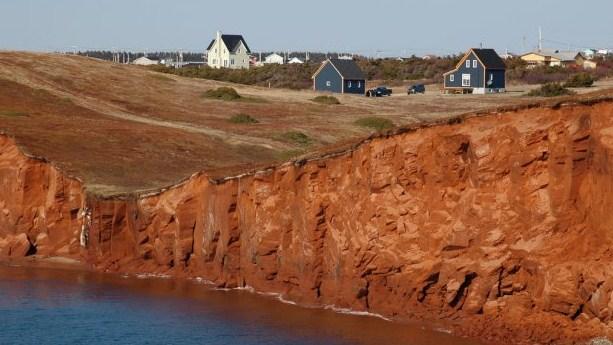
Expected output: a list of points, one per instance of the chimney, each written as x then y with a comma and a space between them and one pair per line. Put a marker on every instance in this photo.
218, 37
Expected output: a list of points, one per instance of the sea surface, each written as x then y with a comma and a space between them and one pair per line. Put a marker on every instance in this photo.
57, 307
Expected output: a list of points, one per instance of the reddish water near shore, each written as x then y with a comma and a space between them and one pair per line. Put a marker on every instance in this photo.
47, 306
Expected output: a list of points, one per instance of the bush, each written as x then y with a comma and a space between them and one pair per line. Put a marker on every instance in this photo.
377, 123
222, 93
295, 137
329, 100
243, 119
550, 90
580, 80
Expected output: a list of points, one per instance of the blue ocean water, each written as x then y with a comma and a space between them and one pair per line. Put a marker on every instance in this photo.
56, 307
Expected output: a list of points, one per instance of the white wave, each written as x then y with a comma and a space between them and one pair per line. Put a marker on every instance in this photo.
152, 276
355, 312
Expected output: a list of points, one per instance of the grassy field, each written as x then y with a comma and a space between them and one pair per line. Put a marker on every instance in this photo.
124, 128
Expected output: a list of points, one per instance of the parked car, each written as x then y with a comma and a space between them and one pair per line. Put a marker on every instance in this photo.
417, 88
379, 92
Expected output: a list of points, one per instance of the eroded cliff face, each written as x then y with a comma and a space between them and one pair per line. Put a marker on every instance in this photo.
500, 225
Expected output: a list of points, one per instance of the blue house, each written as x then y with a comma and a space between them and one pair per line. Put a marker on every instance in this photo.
480, 71
339, 76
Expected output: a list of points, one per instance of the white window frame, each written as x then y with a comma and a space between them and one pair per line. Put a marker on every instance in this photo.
467, 63
328, 83
452, 78
474, 63
231, 61
466, 80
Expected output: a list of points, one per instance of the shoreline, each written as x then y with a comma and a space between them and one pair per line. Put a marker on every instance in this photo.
73, 265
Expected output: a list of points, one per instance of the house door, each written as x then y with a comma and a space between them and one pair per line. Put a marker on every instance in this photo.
465, 79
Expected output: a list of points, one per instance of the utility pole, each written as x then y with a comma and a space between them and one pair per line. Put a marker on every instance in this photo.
540, 39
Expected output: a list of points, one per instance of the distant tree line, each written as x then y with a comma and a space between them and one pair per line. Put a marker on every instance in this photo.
391, 71
108, 55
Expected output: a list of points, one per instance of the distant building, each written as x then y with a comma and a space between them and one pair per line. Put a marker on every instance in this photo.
590, 64
145, 61
339, 76
295, 60
274, 59
553, 58
228, 51
480, 71
429, 57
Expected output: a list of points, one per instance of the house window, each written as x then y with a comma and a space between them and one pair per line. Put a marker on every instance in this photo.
215, 50
328, 83
214, 61
474, 63
349, 84
465, 79
239, 50
452, 78
231, 61
467, 63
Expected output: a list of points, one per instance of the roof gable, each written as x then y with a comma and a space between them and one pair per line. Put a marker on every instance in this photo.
348, 69
489, 58
232, 42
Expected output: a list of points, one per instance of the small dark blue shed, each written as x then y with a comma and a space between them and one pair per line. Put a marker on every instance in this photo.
339, 76
479, 71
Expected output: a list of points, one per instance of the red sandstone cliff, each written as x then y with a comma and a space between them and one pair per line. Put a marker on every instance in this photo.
499, 224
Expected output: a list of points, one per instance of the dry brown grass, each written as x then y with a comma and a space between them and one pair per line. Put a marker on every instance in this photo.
123, 129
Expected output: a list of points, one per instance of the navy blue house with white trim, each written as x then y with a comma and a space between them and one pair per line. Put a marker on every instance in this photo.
339, 76
479, 71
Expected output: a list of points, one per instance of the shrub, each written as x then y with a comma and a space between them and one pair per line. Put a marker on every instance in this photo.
296, 138
550, 90
580, 80
222, 93
373, 122
243, 119
329, 100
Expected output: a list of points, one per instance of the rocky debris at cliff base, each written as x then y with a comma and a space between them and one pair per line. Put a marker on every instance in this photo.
17, 246
600, 341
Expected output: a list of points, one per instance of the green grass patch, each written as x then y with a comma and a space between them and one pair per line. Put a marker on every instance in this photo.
289, 155
296, 138
222, 93
376, 123
580, 80
243, 119
551, 90
328, 100
230, 94
12, 113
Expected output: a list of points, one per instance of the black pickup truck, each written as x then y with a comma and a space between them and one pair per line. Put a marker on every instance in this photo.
380, 91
